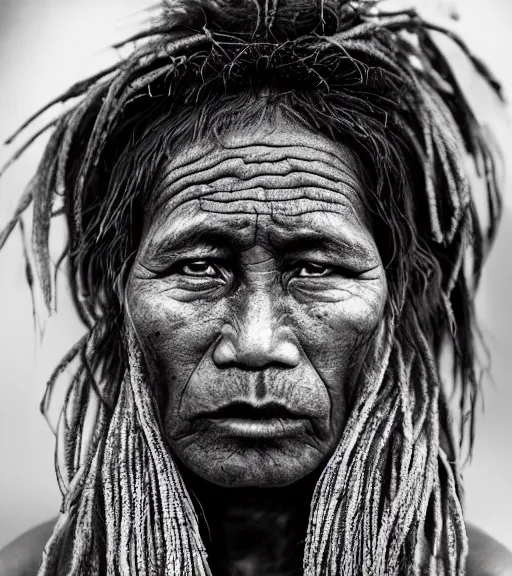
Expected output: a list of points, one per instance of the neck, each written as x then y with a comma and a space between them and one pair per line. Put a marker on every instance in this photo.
253, 531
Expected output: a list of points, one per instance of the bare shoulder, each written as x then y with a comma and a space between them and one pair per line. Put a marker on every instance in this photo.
22, 557
487, 557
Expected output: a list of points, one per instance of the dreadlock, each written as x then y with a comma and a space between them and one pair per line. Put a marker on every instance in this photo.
375, 81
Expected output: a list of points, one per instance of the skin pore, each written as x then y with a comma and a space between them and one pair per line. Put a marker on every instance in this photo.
255, 294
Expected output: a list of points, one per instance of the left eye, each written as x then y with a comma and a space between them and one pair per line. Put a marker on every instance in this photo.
198, 268
311, 269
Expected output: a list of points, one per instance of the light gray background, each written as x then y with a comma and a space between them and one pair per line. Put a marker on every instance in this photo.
45, 45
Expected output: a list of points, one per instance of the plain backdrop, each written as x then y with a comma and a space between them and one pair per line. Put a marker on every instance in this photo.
45, 45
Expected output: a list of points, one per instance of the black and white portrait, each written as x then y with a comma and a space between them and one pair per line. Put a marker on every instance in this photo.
254, 288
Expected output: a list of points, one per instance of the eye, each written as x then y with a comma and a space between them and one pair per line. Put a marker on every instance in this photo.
309, 269
198, 268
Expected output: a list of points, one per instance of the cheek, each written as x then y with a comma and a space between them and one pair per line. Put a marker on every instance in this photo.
335, 335
174, 335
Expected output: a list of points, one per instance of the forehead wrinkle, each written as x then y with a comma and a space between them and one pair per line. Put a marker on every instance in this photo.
237, 227
225, 174
284, 192
259, 208
229, 177
316, 190
209, 154
287, 201
264, 201
298, 211
212, 164
281, 236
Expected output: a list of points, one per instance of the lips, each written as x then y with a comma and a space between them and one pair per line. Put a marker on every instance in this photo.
247, 411
245, 420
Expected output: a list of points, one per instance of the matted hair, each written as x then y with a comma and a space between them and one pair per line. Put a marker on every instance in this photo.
372, 80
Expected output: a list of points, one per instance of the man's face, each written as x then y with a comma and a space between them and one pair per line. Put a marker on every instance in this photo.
255, 292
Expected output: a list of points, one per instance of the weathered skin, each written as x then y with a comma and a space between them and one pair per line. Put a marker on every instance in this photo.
257, 280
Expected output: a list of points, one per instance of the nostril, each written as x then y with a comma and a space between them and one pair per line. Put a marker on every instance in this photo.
255, 354
287, 352
224, 352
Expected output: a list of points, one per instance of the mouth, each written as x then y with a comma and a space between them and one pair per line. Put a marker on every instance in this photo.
270, 420
247, 411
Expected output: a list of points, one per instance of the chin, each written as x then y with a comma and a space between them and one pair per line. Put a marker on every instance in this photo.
256, 466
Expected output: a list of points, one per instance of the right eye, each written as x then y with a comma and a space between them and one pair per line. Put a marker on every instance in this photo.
198, 268
313, 270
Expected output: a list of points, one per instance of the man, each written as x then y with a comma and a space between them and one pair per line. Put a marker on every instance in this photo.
270, 231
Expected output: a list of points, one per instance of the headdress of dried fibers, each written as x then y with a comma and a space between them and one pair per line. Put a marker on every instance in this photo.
373, 80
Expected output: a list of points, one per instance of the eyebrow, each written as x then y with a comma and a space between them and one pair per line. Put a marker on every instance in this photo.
193, 237
220, 236
307, 241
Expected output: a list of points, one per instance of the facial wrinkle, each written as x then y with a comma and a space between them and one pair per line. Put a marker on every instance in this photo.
288, 217
339, 198
204, 157
235, 229
269, 179
334, 191
206, 353
255, 238
284, 236
300, 207
246, 167
260, 391
245, 214
284, 201
321, 376
188, 231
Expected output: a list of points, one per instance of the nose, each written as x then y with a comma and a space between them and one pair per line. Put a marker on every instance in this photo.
256, 338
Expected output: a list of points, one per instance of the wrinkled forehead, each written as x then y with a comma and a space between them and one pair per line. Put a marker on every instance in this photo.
279, 170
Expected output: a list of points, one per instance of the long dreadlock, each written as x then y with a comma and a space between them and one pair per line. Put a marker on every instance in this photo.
373, 80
